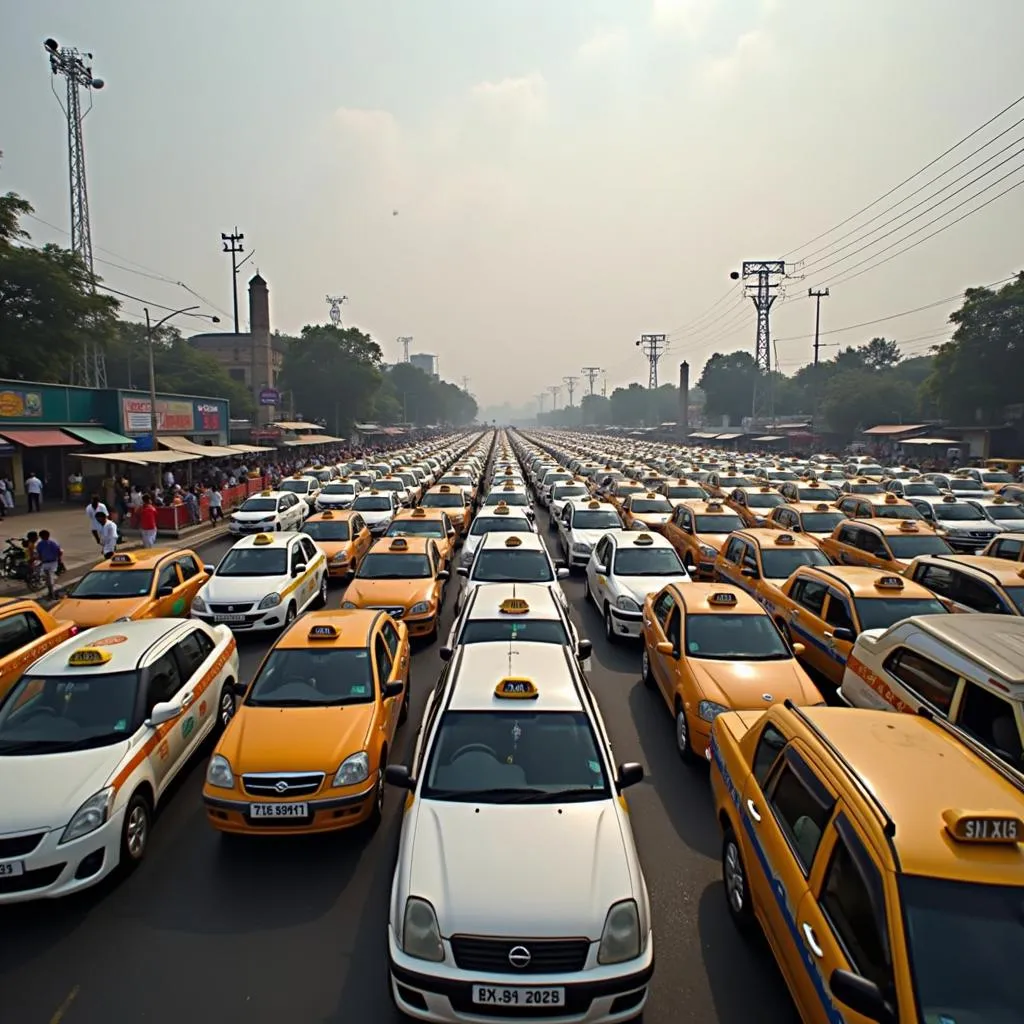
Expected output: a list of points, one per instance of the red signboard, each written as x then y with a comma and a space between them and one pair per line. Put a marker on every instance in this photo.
208, 416
171, 417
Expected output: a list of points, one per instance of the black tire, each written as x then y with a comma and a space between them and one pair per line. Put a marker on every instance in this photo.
290, 615
372, 823
645, 670
684, 740
609, 625
321, 598
403, 713
138, 823
737, 891
225, 708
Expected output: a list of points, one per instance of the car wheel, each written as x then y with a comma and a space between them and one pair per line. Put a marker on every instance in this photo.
609, 626
684, 743
225, 708
135, 831
734, 875
403, 713
377, 813
645, 669
321, 600
291, 615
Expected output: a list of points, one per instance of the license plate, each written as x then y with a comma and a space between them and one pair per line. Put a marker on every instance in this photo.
497, 995
11, 868
279, 810
229, 618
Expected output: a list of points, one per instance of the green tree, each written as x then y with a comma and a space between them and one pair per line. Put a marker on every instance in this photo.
729, 383
857, 399
880, 354
595, 410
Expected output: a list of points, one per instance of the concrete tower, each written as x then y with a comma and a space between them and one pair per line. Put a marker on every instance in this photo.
262, 375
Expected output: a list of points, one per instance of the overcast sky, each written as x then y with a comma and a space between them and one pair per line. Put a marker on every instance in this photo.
526, 186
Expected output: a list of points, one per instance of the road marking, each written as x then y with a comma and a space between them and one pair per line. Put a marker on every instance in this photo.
58, 1015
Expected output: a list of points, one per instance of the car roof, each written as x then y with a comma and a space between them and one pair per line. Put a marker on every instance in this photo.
419, 513
415, 545
862, 581
485, 602
481, 667
804, 507
125, 642
145, 559
995, 570
638, 539
353, 628
888, 526
526, 541
275, 539
337, 514
886, 498
766, 537
268, 493
591, 504
697, 599
512, 511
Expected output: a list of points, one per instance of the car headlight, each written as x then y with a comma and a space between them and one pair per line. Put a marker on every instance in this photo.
198, 603
93, 813
339, 558
218, 773
421, 936
709, 710
620, 939
707, 552
353, 769
270, 601
349, 604
123, 618
626, 604
268, 519
420, 608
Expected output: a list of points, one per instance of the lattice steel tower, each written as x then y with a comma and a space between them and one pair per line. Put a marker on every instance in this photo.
652, 346
763, 295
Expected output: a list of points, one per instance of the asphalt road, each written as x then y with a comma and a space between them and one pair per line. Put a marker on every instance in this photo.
294, 929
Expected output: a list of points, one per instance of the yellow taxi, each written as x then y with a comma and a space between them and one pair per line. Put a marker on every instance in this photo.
1009, 546
682, 489
646, 511
455, 502
881, 856
697, 530
890, 544
342, 536
816, 520
310, 738
878, 506
760, 561
27, 632
154, 583
403, 577
427, 522
861, 485
620, 490
826, 607
754, 504
709, 648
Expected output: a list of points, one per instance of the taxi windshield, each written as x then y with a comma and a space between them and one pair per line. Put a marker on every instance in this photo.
626, 489
920, 544
454, 500
338, 489
417, 528
897, 512
587, 520
111, 584
544, 631
642, 505
966, 487
499, 524
386, 566
883, 612
961, 512
312, 677
324, 529
1016, 595
976, 977
718, 522
685, 492
821, 522
254, 562
781, 563
569, 491
509, 566
517, 498
633, 561
818, 494
734, 637
997, 478
390, 485
457, 481
921, 490
59, 713
259, 505
1007, 511
758, 500
298, 486
371, 503
864, 489
519, 756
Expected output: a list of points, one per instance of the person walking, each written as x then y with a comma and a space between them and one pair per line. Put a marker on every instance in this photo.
92, 510
49, 554
216, 504
147, 521
34, 490
108, 534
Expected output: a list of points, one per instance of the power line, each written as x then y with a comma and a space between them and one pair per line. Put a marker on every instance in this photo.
590, 372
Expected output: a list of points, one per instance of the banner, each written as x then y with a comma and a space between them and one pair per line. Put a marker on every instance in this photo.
171, 417
20, 404
207, 416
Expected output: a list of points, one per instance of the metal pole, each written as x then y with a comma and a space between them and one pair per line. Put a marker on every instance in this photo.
818, 296
152, 385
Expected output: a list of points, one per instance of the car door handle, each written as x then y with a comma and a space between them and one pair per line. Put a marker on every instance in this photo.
812, 941
187, 699
754, 812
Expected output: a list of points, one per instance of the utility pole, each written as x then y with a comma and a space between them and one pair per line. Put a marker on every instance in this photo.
652, 346
604, 384
232, 243
763, 295
465, 384
335, 302
540, 396
405, 341
556, 390
72, 65
818, 296
590, 372
570, 383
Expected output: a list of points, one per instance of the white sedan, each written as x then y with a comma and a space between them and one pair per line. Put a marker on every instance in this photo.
269, 510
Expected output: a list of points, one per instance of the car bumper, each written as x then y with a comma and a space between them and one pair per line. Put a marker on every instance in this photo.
444, 993
339, 570
627, 623
251, 622
578, 559
706, 570
970, 545
331, 815
53, 869
423, 625
242, 529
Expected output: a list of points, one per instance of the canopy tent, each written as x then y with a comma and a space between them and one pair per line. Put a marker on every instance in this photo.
299, 425
889, 429
142, 458
41, 438
930, 440
246, 449
200, 451
727, 437
770, 437
98, 435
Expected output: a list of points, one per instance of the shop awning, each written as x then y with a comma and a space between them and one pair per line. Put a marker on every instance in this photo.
200, 451
299, 425
141, 458
771, 437
41, 438
930, 440
99, 435
895, 428
249, 448
727, 437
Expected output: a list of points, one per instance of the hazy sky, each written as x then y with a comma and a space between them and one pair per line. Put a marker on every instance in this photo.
567, 174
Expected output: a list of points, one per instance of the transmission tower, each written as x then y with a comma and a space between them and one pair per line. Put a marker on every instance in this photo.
763, 294
604, 383
570, 384
335, 302
590, 372
652, 346
556, 390
405, 341
76, 67
540, 396
465, 384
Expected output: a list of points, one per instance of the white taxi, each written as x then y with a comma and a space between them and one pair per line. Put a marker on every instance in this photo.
377, 508
623, 569
264, 582
338, 494
514, 767
302, 484
500, 518
269, 510
91, 736
581, 524
510, 558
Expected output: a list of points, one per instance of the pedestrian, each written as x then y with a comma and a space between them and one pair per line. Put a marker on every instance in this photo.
147, 521
34, 490
108, 534
216, 504
92, 510
49, 554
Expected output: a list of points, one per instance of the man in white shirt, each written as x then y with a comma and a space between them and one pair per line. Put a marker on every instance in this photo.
34, 490
92, 510
108, 534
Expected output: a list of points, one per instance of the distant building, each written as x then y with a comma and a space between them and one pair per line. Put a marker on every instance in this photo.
240, 353
424, 361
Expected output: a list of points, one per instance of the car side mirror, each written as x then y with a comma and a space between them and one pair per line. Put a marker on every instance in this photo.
165, 591
443, 575
799, 649
445, 654
398, 775
665, 647
161, 713
209, 569
846, 635
240, 689
584, 649
629, 774
452, 533
562, 573
394, 689
462, 570
600, 569
751, 574
860, 995
298, 570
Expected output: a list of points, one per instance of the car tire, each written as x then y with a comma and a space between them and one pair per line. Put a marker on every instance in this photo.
737, 891
225, 708
138, 821
684, 740
321, 599
290, 615
377, 812
645, 669
403, 713
609, 626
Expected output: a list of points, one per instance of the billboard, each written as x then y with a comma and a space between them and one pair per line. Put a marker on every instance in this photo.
172, 417
207, 416
20, 404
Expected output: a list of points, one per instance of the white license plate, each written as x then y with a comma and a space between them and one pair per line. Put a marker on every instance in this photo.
229, 618
11, 868
498, 995
279, 810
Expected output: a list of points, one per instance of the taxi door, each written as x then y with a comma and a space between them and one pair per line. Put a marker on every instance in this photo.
679, 533
193, 579
170, 599
838, 616
361, 540
731, 561
663, 665
803, 617
24, 638
164, 684
388, 671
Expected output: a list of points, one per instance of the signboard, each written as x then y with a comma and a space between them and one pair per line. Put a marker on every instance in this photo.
270, 396
207, 416
21, 404
171, 417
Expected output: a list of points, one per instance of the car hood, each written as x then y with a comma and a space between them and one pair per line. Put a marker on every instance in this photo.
43, 791
335, 499
241, 588
745, 685
377, 517
294, 739
712, 540
389, 592
571, 859
638, 587
976, 526
88, 612
652, 518
253, 517
589, 537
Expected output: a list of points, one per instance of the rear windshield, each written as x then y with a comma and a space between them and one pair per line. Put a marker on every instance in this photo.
544, 631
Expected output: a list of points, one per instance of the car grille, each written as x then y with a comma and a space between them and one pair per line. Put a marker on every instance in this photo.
547, 956
18, 846
38, 879
982, 534
230, 609
395, 613
283, 784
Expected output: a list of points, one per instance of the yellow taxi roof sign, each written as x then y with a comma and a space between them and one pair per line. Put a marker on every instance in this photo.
514, 606
513, 541
998, 500
645, 540
267, 493
263, 538
86, 657
419, 513
509, 486
651, 494
714, 506
908, 526
513, 688
508, 471
122, 559
983, 827
298, 476
593, 504
890, 498
766, 490
785, 539
399, 544
445, 489
821, 507
323, 631
889, 583
721, 597
501, 509
327, 515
